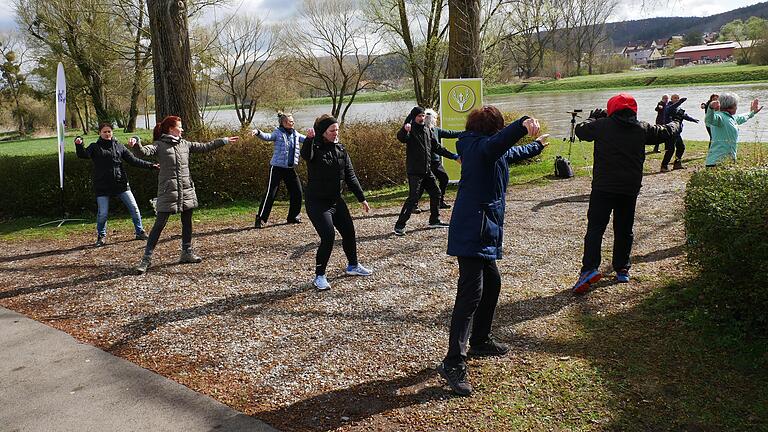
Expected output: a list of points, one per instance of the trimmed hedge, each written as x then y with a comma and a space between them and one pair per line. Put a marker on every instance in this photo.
234, 172
726, 221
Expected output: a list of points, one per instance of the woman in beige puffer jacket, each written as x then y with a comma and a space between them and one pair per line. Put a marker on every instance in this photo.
175, 188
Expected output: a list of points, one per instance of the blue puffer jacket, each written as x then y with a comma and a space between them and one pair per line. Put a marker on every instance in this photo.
283, 143
477, 221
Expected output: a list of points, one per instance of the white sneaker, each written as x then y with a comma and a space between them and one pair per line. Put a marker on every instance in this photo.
357, 270
321, 283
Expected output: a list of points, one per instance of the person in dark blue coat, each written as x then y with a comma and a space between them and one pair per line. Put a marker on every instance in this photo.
476, 231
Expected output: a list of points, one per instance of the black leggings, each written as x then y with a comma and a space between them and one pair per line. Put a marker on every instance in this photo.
325, 215
157, 228
476, 298
292, 182
675, 146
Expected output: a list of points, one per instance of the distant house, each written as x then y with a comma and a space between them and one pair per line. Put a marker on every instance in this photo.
714, 51
641, 55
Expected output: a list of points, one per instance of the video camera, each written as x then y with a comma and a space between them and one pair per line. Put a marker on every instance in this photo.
678, 115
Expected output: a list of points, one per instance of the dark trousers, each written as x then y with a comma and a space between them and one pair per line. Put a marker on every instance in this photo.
476, 299
157, 228
674, 146
325, 215
416, 186
709, 132
601, 204
438, 170
292, 182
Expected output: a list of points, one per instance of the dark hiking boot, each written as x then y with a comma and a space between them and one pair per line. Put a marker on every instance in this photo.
100, 241
142, 235
144, 264
189, 257
678, 164
456, 377
444, 205
416, 211
489, 348
664, 168
259, 224
296, 220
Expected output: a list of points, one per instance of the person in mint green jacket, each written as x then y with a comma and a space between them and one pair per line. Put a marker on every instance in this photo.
723, 121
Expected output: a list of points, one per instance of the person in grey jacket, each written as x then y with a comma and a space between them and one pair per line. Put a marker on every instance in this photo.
175, 188
284, 159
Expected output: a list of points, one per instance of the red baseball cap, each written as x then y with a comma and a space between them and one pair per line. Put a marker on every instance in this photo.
621, 101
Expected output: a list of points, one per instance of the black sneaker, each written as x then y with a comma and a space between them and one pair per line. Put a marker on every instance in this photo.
399, 231
678, 164
489, 348
259, 224
438, 224
444, 205
100, 241
456, 377
296, 220
142, 235
416, 211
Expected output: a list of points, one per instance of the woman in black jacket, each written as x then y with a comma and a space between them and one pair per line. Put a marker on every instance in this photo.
328, 165
110, 179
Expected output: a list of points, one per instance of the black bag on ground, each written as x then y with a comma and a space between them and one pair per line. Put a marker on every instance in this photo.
563, 168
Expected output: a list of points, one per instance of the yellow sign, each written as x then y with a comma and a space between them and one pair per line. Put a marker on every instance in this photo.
457, 98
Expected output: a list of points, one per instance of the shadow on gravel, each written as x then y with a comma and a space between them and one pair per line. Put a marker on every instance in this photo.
309, 247
335, 409
47, 253
565, 200
145, 325
659, 255
85, 280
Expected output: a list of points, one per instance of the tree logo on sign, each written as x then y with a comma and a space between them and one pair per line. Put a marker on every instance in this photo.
461, 98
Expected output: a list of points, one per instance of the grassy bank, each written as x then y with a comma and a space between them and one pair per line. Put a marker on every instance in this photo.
48, 145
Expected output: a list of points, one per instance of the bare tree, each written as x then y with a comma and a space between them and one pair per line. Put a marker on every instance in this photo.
417, 31
172, 65
246, 49
593, 16
13, 81
334, 48
73, 30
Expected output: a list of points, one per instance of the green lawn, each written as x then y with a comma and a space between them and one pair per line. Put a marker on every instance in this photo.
37, 146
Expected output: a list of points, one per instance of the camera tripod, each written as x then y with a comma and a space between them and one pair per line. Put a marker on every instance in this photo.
572, 138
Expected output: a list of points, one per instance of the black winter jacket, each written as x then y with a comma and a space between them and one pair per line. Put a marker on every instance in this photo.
328, 167
109, 177
619, 153
420, 144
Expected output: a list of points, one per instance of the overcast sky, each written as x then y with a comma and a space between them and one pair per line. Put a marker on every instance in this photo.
630, 9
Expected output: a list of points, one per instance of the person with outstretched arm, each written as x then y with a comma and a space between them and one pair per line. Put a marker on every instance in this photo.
619, 153
476, 234
175, 188
285, 158
110, 179
675, 145
418, 155
722, 119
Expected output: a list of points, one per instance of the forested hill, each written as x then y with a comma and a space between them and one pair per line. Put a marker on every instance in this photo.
658, 28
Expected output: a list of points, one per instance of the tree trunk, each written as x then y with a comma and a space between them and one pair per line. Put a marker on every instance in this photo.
464, 54
172, 62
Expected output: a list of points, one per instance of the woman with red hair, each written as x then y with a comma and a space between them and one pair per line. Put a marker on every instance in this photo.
175, 188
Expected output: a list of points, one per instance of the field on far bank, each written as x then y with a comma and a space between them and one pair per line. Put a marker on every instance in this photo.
48, 145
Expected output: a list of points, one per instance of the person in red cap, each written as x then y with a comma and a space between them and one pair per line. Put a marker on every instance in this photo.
620, 140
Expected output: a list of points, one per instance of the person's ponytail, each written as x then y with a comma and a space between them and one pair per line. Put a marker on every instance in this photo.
164, 126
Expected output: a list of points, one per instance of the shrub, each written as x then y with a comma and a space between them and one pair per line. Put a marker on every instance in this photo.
726, 221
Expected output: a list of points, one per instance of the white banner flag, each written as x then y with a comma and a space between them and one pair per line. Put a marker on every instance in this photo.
61, 117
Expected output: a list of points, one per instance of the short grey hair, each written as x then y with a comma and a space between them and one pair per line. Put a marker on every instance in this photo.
728, 100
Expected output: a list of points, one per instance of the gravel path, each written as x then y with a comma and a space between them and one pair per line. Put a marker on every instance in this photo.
246, 327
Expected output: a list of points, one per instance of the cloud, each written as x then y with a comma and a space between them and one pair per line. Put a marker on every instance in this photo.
268, 10
634, 10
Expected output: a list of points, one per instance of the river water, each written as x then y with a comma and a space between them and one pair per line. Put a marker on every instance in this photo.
551, 108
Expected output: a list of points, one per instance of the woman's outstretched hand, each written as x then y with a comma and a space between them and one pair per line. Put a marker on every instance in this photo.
532, 126
310, 133
756, 106
543, 139
233, 139
366, 207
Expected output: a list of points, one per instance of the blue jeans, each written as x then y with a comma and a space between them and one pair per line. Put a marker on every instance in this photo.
101, 215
